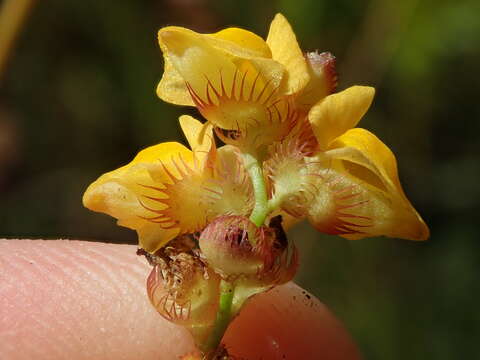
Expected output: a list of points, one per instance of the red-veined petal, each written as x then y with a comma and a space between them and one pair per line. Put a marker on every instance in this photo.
360, 194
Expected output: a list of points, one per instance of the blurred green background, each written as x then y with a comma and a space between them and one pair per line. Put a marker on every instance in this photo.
77, 99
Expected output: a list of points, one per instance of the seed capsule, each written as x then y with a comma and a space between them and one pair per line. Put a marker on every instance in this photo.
183, 290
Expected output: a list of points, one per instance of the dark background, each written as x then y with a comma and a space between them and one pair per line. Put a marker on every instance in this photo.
77, 99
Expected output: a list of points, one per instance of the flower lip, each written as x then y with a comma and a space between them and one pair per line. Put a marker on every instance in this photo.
248, 96
167, 37
241, 114
235, 89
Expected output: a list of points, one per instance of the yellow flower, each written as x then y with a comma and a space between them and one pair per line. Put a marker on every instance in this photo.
349, 185
252, 91
267, 99
293, 151
168, 190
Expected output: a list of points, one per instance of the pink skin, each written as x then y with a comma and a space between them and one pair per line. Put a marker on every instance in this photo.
82, 300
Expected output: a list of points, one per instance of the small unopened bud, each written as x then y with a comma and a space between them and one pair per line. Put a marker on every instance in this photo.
323, 78
322, 66
233, 245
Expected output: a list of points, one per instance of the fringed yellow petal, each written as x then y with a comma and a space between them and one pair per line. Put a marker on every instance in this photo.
195, 197
240, 43
246, 102
233, 193
186, 201
213, 62
116, 193
337, 113
285, 49
270, 71
235, 88
290, 177
252, 114
286, 171
203, 67
359, 193
131, 192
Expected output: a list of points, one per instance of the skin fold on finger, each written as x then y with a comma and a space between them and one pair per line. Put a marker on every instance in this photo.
62, 299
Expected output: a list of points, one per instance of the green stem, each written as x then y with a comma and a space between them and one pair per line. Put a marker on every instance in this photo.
254, 169
224, 315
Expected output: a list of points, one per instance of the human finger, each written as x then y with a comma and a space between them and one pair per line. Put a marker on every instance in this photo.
81, 300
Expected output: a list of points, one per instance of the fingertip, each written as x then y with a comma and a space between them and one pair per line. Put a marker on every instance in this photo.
80, 300
77, 300
289, 323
